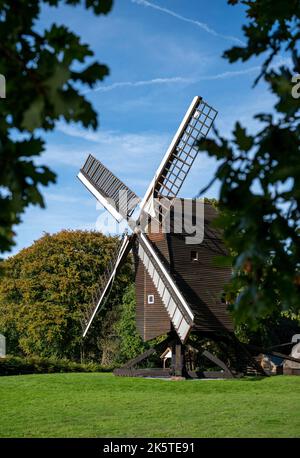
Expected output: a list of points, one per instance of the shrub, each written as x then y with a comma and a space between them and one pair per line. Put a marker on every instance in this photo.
14, 365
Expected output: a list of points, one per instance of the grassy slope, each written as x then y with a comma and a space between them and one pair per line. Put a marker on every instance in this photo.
99, 405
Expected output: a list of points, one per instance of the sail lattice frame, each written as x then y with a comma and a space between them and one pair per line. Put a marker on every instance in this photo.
111, 188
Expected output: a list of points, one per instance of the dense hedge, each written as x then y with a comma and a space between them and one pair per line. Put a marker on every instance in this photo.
14, 365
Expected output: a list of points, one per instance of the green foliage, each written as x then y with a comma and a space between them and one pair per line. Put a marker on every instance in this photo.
14, 365
130, 342
42, 86
260, 175
45, 288
274, 330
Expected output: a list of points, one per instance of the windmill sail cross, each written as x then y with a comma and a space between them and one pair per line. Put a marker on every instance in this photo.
121, 202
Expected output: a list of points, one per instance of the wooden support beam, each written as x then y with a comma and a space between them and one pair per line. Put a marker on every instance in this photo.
139, 358
273, 353
178, 360
218, 362
178, 368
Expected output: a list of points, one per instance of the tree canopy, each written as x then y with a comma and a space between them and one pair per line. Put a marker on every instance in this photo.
44, 72
44, 289
260, 174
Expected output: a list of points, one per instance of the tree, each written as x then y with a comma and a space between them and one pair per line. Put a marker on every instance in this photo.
43, 72
45, 287
260, 174
130, 342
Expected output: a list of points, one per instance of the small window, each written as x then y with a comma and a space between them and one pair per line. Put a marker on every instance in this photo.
150, 299
194, 255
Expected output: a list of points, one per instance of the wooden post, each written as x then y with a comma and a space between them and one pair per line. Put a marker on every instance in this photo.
178, 360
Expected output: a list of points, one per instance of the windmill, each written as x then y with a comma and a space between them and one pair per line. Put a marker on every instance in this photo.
178, 289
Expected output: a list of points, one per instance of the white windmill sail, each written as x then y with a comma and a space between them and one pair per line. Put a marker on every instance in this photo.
111, 192
106, 280
176, 306
180, 155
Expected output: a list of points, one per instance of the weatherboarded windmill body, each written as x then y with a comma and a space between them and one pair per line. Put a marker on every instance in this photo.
178, 287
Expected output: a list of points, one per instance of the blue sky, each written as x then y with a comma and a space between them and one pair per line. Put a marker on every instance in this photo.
161, 54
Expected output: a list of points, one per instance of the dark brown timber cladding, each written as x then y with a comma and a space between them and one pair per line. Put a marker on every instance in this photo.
152, 319
201, 281
161, 244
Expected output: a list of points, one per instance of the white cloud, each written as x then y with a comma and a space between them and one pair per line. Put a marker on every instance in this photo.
229, 74
132, 157
278, 61
151, 82
115, 144
64, 198
199, 24
63, 154
175, 79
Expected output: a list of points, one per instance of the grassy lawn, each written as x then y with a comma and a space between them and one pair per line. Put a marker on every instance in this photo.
102, 405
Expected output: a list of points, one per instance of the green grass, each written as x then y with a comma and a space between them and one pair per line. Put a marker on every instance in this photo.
102, 405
